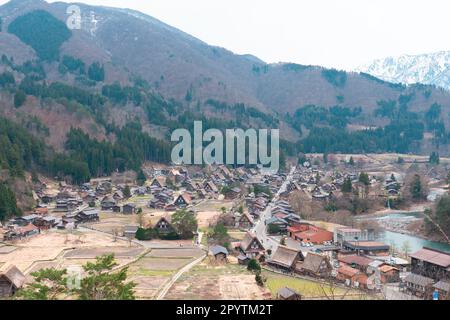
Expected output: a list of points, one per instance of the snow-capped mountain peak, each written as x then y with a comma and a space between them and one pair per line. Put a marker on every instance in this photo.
433, 69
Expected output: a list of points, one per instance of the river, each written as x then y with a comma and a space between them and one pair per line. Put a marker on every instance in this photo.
415, 243
398, 239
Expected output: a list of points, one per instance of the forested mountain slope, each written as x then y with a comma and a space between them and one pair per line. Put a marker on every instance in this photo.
107, 96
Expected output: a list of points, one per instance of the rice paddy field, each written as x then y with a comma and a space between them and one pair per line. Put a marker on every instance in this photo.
208, 281
155, 269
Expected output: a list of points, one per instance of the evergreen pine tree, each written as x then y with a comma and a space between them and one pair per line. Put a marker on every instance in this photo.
347, 186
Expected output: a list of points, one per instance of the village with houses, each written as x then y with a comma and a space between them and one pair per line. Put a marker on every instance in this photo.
217, 232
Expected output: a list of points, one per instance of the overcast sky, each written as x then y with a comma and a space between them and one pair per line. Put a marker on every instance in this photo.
332, 33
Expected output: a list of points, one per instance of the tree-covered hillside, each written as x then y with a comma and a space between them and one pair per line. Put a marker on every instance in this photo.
19, 150
8, 203
42, 31
175, 79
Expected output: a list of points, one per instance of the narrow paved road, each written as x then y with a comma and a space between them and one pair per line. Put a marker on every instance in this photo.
391, 291
260, 228
169, 284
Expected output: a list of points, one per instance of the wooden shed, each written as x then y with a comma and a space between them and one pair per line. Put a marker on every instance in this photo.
11, 279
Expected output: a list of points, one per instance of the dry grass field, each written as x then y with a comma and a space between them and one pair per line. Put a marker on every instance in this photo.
209, 211
207, 219
91, 253
214, 205
153, 270
212, 282
236, 235
175, 253
110, 221
51, 246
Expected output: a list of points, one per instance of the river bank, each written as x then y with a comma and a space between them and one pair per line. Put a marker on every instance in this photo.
401, 225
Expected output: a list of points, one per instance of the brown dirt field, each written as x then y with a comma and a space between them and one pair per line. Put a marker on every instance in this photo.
207, 219
91, 253
150, 274
110, 221
223, 287
326, 225
214, 205
175, 253
147, 287
170, 243
237, 235
48, 246
209, 210
163, 264
7, 249
208, 282
23, 258
75, 239
202, 289
241, 287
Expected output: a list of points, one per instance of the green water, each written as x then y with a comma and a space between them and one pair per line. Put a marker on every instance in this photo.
398, 239
415, 243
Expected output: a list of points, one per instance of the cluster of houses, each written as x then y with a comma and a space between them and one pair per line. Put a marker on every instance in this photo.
307, 180
71, 206
101, 191
284, 221
202, 185
351, 257
29, 225
218, 182
66, 199
355, 259
321, 186
164, 198
255, 205
282, 217
282, 213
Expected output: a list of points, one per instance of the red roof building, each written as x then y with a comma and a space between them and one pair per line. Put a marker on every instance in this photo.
309, 233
